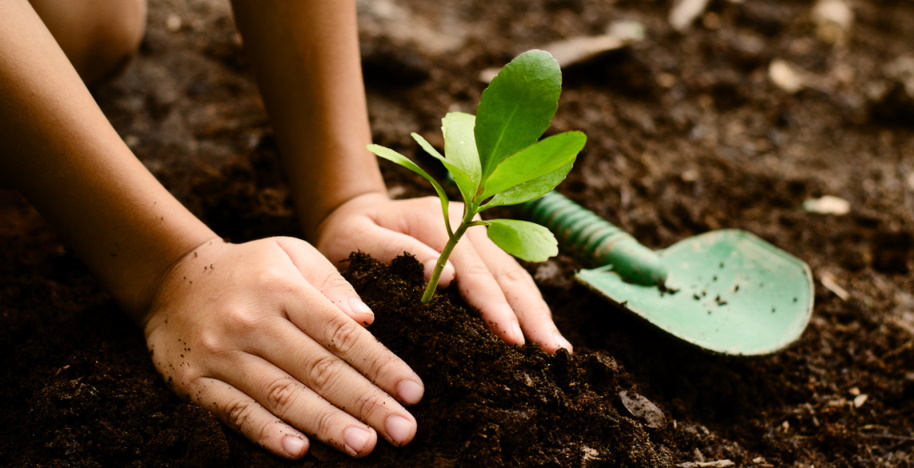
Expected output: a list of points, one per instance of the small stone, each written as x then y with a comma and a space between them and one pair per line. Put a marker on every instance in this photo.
827, 205
643, 409
834, 19
632, 31
784, 76
684, 13
173, 23
572, 52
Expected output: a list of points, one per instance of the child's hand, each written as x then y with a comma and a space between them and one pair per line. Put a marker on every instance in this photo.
269, 337
489, 279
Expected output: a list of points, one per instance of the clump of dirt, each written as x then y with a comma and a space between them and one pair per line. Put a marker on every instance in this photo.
490, 403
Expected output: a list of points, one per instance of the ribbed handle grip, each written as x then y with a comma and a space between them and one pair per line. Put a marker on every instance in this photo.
593, 240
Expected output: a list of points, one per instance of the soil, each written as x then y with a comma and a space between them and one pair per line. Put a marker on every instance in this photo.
687, 133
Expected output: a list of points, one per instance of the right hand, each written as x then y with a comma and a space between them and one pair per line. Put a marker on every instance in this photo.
268, 336
488, 278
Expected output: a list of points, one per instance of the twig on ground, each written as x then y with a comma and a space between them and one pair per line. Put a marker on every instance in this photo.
711, 464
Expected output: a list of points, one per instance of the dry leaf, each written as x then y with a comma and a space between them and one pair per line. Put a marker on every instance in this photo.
644, 409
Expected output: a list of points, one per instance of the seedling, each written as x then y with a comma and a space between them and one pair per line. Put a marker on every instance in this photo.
496, 158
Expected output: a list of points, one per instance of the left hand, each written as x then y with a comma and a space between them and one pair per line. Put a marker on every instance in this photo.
488, 278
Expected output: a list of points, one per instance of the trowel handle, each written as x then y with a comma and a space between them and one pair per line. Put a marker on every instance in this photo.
591, 239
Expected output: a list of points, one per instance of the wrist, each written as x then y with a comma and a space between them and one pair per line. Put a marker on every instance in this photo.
140, 309
314, 213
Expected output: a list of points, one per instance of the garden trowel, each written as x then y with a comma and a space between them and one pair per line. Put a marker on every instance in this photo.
726, 291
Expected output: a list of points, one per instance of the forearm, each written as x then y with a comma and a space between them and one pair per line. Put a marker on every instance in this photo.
64, 156
305, 57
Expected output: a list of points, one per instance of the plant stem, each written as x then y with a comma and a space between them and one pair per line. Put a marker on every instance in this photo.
446, 253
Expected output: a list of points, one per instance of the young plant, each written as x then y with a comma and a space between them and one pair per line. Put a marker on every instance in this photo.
497, 159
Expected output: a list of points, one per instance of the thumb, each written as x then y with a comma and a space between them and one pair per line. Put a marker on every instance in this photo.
320, 273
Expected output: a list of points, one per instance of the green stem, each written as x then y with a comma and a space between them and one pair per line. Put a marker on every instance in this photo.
446, 253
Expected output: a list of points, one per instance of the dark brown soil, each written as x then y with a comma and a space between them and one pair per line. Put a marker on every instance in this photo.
687, 133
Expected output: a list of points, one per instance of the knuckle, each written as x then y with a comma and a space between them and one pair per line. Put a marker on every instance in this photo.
325, 422
368, 404
243, 319
514, 275
538, 309
342, 335
384, 365
183, 379
264, 432
324, 371
211, 342
281, 394
239, 414
273, 279
394, 244
190, 388
477, 269
334, 282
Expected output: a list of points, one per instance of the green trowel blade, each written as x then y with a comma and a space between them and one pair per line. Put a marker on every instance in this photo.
727, 291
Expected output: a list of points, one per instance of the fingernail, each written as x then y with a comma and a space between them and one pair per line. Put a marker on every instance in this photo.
410, 392
561, 342
359, 307
293, 445
356, 438
517, 335
399, 430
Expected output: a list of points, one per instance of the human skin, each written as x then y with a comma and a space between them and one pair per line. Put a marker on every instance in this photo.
267, 334
98, 36
306, 60
146, 249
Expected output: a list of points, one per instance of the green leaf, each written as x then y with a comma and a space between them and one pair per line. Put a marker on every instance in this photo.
459, 141
463, 180
460, 150
523, 239
395, 157
427, 146
529, 190
534, 161
517, 107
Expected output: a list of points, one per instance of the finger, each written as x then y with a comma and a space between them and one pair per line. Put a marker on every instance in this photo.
290, 400
481, 290
318, 271
333, 379
319, 319
240, 412
522, 294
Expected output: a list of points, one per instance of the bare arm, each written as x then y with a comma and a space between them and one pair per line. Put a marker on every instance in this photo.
267, 335
305, 57
64, 156
306, 60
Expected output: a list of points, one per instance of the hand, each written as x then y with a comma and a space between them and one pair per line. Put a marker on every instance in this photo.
267, 336
489, 279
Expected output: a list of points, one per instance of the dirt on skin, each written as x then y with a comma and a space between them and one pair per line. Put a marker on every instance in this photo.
687, 133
